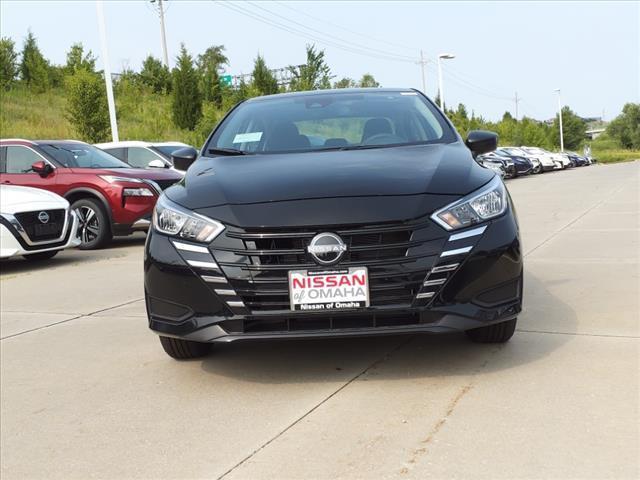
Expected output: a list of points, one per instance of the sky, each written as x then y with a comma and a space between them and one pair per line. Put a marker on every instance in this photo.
589, 50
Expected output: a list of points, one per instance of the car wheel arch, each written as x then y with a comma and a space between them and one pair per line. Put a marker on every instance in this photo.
76, 194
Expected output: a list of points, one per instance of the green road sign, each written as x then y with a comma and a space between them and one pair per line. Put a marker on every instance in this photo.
226, 80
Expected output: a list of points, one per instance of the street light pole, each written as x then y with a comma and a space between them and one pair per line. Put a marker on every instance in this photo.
557, 90
107, 71
442, 56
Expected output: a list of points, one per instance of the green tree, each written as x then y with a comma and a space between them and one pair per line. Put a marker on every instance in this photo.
8, 63
263, 80
87, 109
625, 128
208, 63
78, 60
313, 75
187, 99
345, 82
34, 68
573, 129
368, 80
155, 75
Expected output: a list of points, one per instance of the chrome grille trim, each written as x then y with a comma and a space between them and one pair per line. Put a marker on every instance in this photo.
199, 264
467, 234
187, 247
210, 279
445, 268
425, 295
457, 251
236, 304
437, 281
227, 292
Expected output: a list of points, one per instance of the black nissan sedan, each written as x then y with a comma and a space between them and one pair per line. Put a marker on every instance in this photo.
333, 213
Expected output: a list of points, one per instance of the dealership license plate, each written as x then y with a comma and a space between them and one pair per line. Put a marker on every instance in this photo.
329, 289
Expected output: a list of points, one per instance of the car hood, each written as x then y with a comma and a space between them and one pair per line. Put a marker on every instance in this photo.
14, 198
443, 169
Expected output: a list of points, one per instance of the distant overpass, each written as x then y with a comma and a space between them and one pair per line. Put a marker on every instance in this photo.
594, 133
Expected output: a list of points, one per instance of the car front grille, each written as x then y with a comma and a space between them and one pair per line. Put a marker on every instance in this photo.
257, 261
36, 230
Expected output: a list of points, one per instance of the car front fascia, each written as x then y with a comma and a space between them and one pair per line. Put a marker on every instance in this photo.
181, 304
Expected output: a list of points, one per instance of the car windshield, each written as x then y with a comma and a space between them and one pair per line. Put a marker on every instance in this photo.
81, 155
327, 121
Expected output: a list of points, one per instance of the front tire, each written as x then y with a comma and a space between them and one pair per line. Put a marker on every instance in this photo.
94, 229
40, 256
496, 333
184, 349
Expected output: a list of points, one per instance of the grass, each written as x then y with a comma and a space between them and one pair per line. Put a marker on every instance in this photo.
141, 116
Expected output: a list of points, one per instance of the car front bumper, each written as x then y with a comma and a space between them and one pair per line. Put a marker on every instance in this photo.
14, 241
484, 288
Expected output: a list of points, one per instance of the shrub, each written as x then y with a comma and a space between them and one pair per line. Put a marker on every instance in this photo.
87, 109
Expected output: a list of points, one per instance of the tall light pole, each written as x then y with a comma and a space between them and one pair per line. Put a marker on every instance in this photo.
557, 90
423, 63
107, 71
442, 56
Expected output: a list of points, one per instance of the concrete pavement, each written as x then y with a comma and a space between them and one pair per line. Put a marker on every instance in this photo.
87, 392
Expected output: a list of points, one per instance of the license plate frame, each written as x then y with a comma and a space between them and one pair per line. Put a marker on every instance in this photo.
45, 230
334, 298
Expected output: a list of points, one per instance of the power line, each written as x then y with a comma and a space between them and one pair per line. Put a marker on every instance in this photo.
369, 37
307, 36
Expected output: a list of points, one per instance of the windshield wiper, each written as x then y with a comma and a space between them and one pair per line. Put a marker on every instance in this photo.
226, 151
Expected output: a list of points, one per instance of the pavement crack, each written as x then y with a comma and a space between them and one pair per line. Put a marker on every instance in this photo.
450, 409
374, 364
70, 319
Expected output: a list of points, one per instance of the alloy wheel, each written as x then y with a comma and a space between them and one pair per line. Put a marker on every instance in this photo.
88, 224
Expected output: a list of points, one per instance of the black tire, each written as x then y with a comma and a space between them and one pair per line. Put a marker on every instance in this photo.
496, 333
94, 228
38, 257
184, 349
537, 169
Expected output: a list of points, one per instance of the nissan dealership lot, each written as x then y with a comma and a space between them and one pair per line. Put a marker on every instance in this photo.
88, 393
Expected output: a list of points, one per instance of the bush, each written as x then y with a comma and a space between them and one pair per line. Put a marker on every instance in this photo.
8, 63
87, 109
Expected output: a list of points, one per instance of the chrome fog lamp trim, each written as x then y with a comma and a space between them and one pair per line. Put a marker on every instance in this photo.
189, 247
199, 264
467, 234
457, 251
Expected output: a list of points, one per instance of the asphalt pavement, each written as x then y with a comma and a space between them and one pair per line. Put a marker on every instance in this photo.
87, 392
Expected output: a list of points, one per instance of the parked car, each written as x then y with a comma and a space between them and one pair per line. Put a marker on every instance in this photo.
577, 159
109, 197
540, 164
389, 226
523, 165
560, 162
496, 166
507, 164
35, 223
143, 154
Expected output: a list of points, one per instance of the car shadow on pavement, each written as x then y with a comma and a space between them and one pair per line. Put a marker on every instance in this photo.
395, 357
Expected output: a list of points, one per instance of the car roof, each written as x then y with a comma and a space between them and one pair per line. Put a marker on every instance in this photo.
22, 141
333, 91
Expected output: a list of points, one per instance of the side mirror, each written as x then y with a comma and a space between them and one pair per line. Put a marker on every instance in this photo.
481, 141
42, 168
157, 163
183, 158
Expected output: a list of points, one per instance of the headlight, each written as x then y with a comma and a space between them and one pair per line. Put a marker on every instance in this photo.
137, 192
171, 219
115, 178
488, 202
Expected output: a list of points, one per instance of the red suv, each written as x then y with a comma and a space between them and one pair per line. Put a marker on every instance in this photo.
109, 196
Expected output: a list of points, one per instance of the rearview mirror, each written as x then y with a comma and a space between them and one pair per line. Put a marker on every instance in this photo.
157, 164
42, 168
481, 141
183, 158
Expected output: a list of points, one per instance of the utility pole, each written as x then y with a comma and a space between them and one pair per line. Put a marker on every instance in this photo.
517, 100
560, 118
163, 33
107, 70
423, 63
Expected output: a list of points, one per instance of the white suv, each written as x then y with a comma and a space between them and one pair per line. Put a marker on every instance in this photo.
35, 223
143, 154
